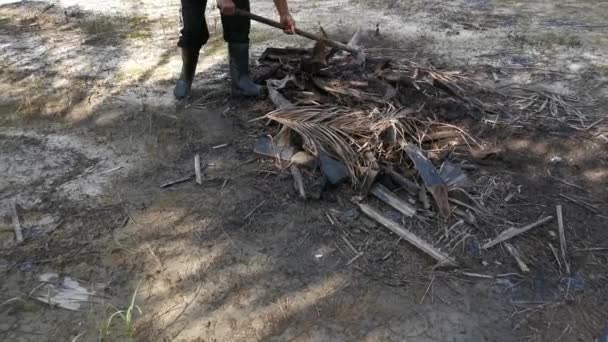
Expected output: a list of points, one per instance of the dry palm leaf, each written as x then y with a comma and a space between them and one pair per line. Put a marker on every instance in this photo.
346, 133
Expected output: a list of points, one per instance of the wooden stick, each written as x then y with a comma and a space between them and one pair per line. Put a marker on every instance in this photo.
443, 259
298, 181
111, 170
386, 196
477, 275
562, 236
423, 196
16, 223
177, 181
554, 251
441, 135
299, 32
197, 169
515, 254
253, 211
512, 232
405, 183
583, 204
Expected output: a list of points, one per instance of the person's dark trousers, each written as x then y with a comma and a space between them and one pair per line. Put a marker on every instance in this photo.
195, 34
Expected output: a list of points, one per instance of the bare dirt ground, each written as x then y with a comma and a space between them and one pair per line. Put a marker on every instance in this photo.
89, 131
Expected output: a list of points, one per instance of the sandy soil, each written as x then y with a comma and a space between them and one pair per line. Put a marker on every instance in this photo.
89, 131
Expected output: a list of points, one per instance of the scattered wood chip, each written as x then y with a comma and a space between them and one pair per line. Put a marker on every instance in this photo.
440, 135
405, 183
423, 196
516, 255
556, 256
16, 223
431, 179
444, 259
197, 169
298, 181
512, 232
386, 196
275, 96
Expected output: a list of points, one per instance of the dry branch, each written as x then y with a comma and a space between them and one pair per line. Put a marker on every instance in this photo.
444, 259
515, 254
405, 183
177, 181
386, 196
512, 232
562, 236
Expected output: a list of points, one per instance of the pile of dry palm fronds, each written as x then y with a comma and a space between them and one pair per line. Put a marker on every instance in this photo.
361, 114
386, 127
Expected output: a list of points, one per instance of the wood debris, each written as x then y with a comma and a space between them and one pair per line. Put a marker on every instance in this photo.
178, 181
386, 196
513, 232
383, 125
562, 237
16, 222
442, 258
516, 255
197, 169
405, 183
431, 178
298, 181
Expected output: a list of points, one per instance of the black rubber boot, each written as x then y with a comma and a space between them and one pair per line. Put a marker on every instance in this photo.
183, 87
242, 85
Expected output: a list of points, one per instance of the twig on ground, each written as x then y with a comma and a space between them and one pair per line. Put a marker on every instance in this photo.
556, 256
16, 223
177, 181
111, 170
197, 169
443, 259
427, 290
512, 232
515, 254
581, 203
477, 275
253, 210
562, 237
219, 146
391, 199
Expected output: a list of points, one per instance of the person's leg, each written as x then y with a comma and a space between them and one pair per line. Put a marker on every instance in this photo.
236, 28
236, 34
192, 37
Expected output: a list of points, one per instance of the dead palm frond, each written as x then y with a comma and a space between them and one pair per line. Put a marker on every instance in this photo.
346, 132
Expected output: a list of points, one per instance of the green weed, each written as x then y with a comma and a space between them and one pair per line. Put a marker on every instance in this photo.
125, 315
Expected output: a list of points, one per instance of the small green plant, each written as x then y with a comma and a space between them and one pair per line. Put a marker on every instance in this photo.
126, 316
